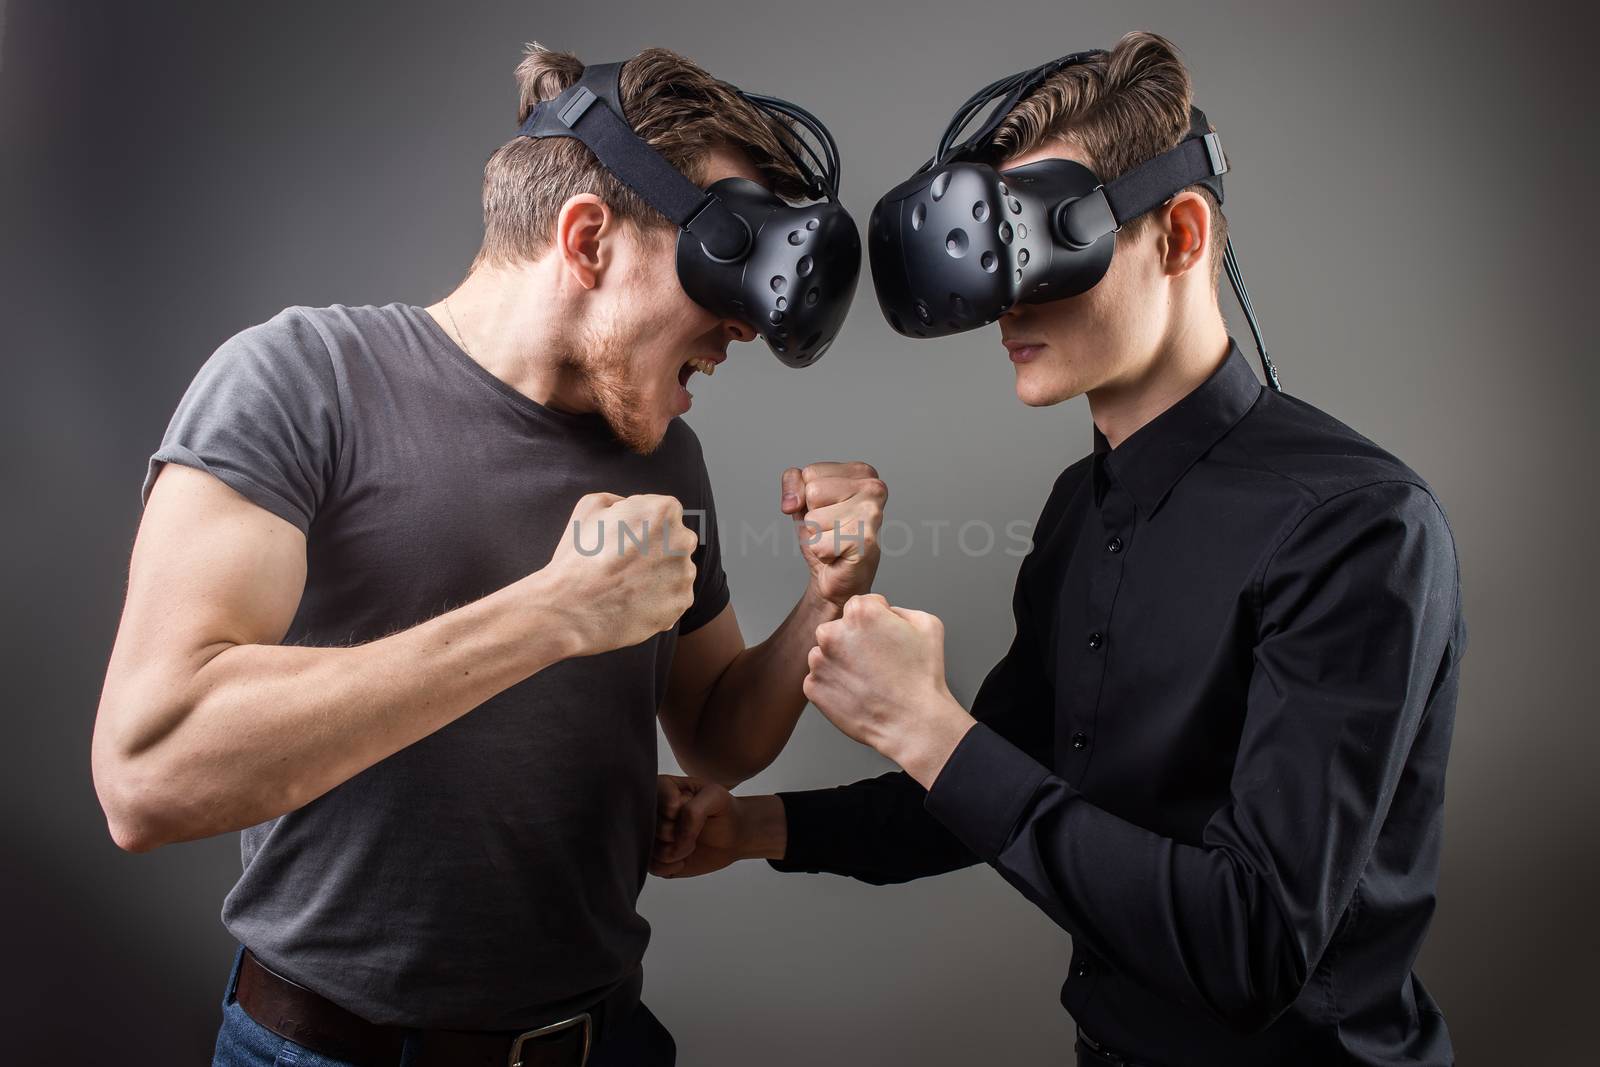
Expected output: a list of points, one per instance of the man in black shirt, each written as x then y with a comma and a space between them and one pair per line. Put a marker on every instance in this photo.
1215, 751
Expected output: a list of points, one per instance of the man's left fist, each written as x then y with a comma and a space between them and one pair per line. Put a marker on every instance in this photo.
838, 511
877, 673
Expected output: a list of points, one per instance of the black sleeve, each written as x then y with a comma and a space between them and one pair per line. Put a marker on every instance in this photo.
1360, 625
879, 830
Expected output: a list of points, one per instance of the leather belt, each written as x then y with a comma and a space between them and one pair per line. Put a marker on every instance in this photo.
296, 1013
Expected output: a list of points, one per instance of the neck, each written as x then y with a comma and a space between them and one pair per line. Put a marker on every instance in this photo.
1186, 357
508, 320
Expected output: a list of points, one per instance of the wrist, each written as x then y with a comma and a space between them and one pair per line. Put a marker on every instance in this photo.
923, 750
765, 833
817, 607
553, 621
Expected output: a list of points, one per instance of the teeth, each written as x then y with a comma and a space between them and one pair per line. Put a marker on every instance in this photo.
704, 366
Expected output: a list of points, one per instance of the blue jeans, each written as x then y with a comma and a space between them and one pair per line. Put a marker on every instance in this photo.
641, 1041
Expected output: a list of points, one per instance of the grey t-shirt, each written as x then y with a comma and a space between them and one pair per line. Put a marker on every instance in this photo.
485, 877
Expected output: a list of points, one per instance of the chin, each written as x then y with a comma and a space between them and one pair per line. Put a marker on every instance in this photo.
1037, 391
647, 438
638, 431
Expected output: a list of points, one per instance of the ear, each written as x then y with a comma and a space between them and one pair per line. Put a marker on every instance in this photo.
585, 227
1184, 233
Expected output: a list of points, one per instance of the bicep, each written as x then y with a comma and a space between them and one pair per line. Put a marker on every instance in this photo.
209, 570
700, 659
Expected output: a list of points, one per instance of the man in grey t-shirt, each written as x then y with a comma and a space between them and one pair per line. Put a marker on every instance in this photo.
357, 628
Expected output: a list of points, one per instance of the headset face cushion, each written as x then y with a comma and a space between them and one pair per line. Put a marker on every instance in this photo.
795, 285
954, 248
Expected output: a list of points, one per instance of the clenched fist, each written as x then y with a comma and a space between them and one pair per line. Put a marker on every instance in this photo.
877, 673
622, 571
838, 511
701, 827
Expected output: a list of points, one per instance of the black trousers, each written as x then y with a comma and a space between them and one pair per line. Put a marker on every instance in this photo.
641, 1041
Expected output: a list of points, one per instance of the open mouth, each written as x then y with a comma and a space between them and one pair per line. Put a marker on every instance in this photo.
705, 365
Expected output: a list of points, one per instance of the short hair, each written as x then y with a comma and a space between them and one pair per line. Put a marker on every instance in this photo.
1121, 109
678, 108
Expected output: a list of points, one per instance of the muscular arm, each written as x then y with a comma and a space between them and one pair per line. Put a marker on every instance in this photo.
206, 724
731, 709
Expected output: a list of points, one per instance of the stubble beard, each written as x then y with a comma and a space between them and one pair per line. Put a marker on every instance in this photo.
603, 364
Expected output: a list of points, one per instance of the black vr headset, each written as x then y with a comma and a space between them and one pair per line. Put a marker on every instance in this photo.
787, 272
959, 243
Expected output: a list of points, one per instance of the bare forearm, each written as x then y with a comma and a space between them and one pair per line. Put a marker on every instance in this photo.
260, 730
751, 712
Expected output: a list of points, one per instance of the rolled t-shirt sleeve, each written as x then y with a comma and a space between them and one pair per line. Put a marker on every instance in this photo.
262, 416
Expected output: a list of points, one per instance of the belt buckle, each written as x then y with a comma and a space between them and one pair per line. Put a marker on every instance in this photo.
582, 1019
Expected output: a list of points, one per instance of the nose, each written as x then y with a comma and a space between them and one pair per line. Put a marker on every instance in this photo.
737, 330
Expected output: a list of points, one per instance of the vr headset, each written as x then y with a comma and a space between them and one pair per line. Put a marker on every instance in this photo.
959, 243
789, 273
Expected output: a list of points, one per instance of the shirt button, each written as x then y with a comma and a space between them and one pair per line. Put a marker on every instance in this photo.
1114, 545
1080, 740
1082, 970
1096, 639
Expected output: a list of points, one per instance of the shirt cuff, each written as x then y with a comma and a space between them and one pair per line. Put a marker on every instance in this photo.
808, 816
983, 789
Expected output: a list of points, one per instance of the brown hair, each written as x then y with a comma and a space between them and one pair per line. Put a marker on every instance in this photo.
1122, 109
672, 103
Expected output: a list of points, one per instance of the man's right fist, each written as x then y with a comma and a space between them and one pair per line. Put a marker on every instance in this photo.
622, 569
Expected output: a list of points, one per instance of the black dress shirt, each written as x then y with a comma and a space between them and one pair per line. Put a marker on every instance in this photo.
1215, 752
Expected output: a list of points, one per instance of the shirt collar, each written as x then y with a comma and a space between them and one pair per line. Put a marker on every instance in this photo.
1157, 455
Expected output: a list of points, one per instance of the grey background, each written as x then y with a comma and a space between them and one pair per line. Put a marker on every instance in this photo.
1411, 202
